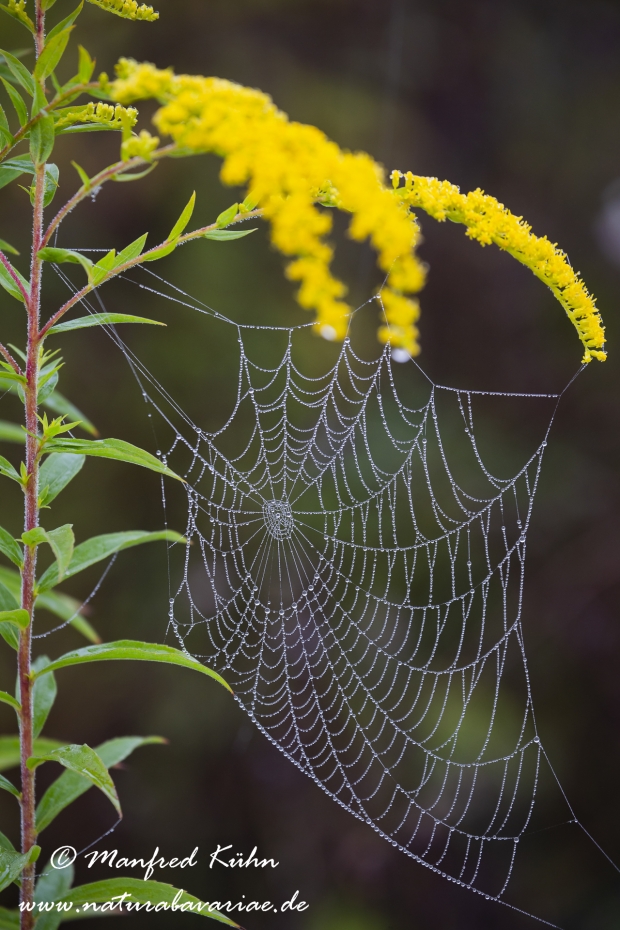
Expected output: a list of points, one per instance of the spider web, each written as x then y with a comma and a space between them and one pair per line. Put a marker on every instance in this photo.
355, 569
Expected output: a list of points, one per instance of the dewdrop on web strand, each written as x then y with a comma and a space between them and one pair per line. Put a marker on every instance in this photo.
292, 171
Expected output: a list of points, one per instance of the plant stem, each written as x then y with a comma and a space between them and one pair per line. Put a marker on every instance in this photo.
31, 520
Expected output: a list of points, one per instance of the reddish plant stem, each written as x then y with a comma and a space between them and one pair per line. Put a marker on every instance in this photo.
31, 520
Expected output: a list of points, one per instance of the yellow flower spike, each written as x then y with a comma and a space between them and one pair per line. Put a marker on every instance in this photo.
490, 222
128, 9
292, 171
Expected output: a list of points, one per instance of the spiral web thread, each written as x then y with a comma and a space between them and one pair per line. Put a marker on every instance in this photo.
361, 599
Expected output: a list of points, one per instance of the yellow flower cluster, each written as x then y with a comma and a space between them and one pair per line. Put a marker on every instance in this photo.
115, 117
488, 221
290, 171
139, 146
17, 8
128, 9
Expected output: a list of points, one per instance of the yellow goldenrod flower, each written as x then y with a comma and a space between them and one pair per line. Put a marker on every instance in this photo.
17, 8
141, 146
488, 221
290, 170
115, 117
128, 9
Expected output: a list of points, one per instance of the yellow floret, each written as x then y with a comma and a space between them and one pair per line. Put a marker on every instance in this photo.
128, 9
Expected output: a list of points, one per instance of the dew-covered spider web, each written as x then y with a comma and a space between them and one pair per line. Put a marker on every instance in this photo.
355, 570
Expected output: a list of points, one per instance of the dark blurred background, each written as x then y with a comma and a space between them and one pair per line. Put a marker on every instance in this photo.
519, 97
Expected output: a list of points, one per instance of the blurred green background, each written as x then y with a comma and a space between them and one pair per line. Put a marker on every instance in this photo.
521, 98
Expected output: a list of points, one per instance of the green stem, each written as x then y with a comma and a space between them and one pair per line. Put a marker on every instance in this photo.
31, 520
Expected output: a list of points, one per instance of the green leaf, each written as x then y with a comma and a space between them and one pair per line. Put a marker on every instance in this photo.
57, 471
140, 892
11, 548
227, 216
7, 247
184, 219
83, 176
18, 617
51, 184
99, 319
18, 103
85, 762
52, 52
61, 541
138, 174
9, 601
13, 863
70, 786
9, 750
19, 72
67, 608
86, 65
9, 786
47, 385
9, 920
161, 252
5, 843
116, 449
20, 15
133, 650
11, 432
7, 698
44, 694
131, 251
64, 24
51, 884
42, 139
9, 284
225, 235
59, 404
14, 167
102, 547
58, 256
7, 470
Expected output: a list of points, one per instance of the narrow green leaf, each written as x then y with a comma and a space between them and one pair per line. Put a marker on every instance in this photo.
9, 284
227, 216
131, 251
52, 52
65, 23
161, 252
9, 786
7, 247
7, 470
86, 65
102, 547
9, 593
21, 164
42, 139
18, 102
8, 174
57, 471
53, 883
47, 385
133, 650
7, 698
11, 548
11, 432
85, 762
5, 843
9, 750
70, 786
83, 176
9, 920
9, 601
45, 691
59, 404
58, 256
62, 542
138, 174
225, 235
99, 319
12, 864
51, 184
19, 72
67, 608
184, 219
116, 449
17, 617
140, 892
